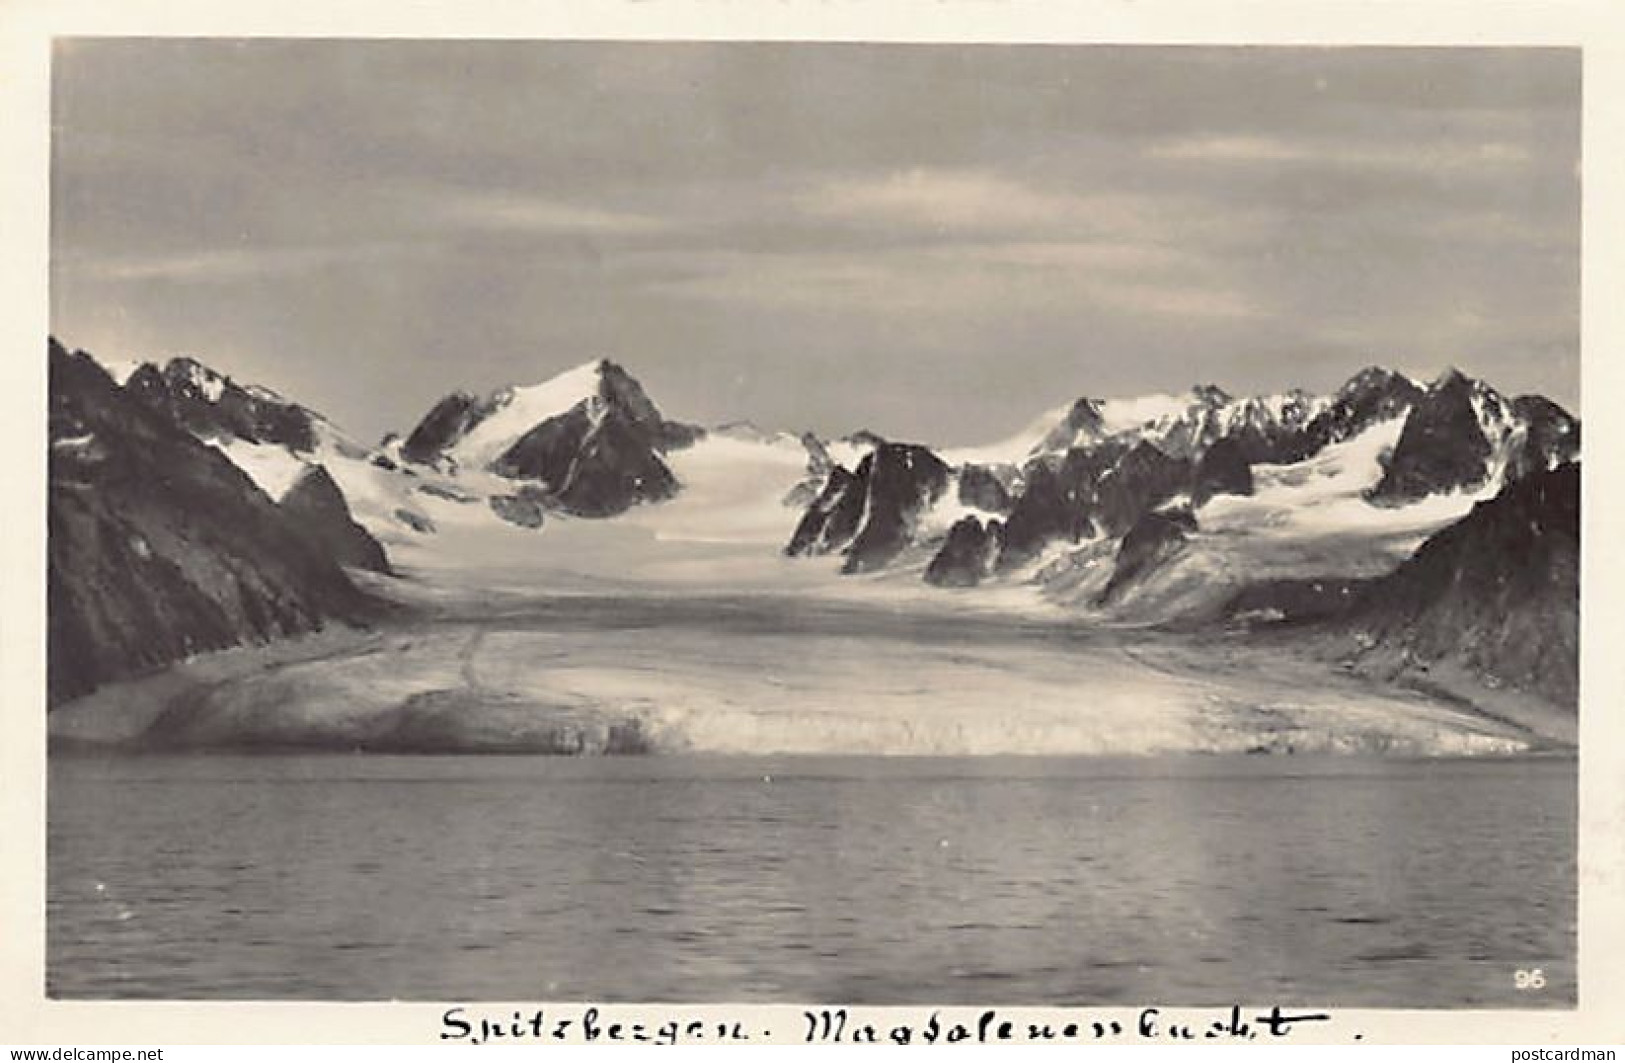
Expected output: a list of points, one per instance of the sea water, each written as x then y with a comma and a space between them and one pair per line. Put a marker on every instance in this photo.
1353, 881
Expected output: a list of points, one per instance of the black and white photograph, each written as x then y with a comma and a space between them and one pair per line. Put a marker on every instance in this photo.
866, 523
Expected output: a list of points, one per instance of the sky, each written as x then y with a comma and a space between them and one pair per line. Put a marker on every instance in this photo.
936, 242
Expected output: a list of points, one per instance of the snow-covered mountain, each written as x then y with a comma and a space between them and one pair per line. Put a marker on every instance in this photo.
485, 475
1391, 458
160, 548
1463, 435
1232, 490
1196, 507
279, 443
590, 438
1178, 425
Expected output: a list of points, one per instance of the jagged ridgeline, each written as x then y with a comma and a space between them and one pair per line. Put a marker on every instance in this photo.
191, 512
1094, 471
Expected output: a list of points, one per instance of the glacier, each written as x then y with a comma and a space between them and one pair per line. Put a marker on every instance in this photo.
681, 626
764, 674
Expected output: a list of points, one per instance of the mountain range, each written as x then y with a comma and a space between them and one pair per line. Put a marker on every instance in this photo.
160, 547
1419, 521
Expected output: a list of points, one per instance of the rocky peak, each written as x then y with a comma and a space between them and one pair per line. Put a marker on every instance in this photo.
1154, 538
320, 511
1546, 436
211, 405
1142, 479
1372, 395
449, 420
1374, 379
869, 514
902, 480
618, 389
1222, 470
590, 439
981, 488
1450, 377
1450, 436
1083, 422
968, 554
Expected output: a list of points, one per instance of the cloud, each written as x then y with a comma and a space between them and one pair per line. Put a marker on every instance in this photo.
433, 216
1430, 156
963, 199
961, 243
223, 265
1179, 300
520, 212
960, 281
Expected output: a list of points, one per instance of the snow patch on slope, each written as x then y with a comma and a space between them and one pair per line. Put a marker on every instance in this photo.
1326, 495
1304, 520
935, 521
1013, 450
1125, 415
523, 408
273, 468
1151, 417
120, 369
848, 452
732, 491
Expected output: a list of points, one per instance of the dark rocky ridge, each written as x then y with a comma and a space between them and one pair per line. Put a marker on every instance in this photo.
980, 488
1497, 593
1550, 437
1222, 470
1370, 396
903, 479
1108, 486
526, 508
590, 470
1442, 447
1056, 503
159, 547
1103, 488
318, 509
624, 396
450, 419
211, 405
832, 519
968, 555
1154, 539
1143, 478
869, 514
